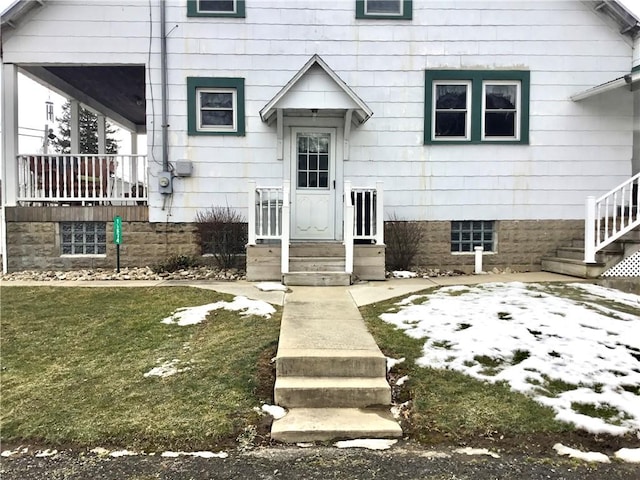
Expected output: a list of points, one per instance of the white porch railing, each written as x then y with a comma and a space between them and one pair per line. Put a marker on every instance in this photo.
611, 216
82, 179
269, 217
363, 217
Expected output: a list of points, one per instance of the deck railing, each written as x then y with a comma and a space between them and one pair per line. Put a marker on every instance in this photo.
611, 216
82, 179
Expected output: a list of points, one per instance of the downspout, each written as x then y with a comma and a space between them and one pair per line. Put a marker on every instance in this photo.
163, 83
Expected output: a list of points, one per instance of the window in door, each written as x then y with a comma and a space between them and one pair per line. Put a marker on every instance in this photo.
313, 160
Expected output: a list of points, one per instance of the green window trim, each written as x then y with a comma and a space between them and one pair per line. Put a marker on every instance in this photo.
192, 10
477, 78
407, 12
196, 83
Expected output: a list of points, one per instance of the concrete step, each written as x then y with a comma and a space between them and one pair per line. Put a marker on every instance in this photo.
325, 424
331, 392
572, 267
317, 264
330, 363
317, 279
577, 253
316, 249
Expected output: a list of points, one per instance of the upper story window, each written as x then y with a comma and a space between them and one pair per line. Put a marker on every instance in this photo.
216, 8
216, 106
476, 106
389, 9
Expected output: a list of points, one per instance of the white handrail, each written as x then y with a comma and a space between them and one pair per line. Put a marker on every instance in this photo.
611, 216
284, 239
349, 227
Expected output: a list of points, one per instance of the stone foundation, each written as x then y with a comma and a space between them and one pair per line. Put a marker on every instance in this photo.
520, 245
33, 238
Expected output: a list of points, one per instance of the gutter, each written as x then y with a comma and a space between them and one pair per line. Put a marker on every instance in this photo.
629, 79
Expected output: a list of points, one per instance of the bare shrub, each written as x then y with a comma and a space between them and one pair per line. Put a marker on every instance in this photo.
223, 234
402, 238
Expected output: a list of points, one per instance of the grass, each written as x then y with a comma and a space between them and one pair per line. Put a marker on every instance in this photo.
73, 362
448, 405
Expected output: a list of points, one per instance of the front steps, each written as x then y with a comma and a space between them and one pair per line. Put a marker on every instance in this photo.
569, 260
330, 374
315, 263
322, 424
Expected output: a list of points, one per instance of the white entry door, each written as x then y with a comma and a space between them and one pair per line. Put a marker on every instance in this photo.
313, 176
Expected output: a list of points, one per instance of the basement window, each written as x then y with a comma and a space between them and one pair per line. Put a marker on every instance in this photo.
468, 234
83, 238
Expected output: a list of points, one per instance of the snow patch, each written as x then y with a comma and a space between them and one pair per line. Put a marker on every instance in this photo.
123, 453
271, 287
631, 455
403, 274
194, 315
46, 453
10, 453
369, 443
526, 336
274, 410
167, 369
202, 454
401, 381
586, 456
392, 362
476, 451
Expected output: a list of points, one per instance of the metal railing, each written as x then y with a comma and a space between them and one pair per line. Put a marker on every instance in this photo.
82, 179
611, 216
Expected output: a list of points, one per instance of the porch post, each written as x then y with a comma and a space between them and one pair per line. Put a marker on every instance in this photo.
379, 213
74, 127
590, 231
102, 134
9, 134
251, 212
348, 228
284, 238
134, 143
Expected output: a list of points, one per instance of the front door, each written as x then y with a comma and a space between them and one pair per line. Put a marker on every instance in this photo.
313, 176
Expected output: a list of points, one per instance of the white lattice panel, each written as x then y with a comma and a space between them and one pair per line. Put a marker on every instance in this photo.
629, 267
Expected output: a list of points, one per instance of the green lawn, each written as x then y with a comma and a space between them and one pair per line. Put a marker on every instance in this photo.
73, 363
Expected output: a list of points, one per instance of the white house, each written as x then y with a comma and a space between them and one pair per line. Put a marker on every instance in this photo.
488, 122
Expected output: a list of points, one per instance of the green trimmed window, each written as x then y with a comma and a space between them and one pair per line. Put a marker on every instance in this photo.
83, 238
216, 106
476, 106
216, 8
466, 235
387, 9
